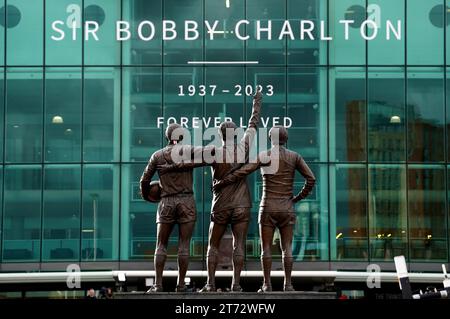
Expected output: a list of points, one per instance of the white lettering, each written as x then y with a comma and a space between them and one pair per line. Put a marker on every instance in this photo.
93, 31
237, 32
346, 24
56, 29
120, 30
152, 30
374, 28
191, 27
169, 26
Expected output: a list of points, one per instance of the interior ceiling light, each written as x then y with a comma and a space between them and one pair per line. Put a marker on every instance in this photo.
395, 119
57, 119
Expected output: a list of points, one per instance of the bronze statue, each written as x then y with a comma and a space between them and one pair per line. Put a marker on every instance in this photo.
231, 204
277, 203
177, 206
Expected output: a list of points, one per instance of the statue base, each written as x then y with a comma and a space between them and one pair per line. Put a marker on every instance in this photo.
227, 295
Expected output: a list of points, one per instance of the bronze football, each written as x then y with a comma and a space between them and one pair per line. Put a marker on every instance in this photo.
154, 194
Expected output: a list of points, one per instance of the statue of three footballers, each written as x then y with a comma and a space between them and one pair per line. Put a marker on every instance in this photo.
231, 201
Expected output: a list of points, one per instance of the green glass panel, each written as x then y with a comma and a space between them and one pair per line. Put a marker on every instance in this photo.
348, 114
382, 50
2, 31
100, 215
104, 14
387, 211
425, 40
386, 107
2, 107
176, 106
178, 51
63, 115
61, 215
425, 114
141, 96
353, 50
22, 213
138, 222
25, 22
427, 213
101, 115
307, 51
311, 233
447, 106
225, 46
266, 51
348, 212
307, 109
136, 51
63, 50
24, 115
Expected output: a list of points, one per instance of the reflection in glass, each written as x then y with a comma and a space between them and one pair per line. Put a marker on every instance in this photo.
2, 106
179, 51
225, 46
266, 51
348, 141
22, 213
348, 204
226, 104
24, 115
61, 215
63, 115
274, 105
135, 50
427, 213
141, 109
387, 211
100, 216
138, 221
175, 106
311, 228
101, 114
386, 126
307, 51
447, 106
425, 115
307, 107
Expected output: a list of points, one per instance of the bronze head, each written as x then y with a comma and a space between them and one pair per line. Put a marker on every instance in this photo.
278, 135
174, 132
227, 126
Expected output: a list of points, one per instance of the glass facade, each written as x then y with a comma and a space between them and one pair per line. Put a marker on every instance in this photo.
78, 121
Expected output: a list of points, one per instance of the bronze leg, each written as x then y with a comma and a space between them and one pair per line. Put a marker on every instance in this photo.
163, 234
185, 234
266, 235
239, 236
216, 232
286, 234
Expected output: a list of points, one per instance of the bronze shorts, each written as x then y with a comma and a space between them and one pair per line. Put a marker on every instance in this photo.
178, 209
276, 219
231, 216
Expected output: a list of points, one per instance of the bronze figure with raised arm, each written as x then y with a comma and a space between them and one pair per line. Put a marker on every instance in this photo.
277, 203
231, 204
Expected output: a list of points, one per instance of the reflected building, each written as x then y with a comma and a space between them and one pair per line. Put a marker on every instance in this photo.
78, 121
